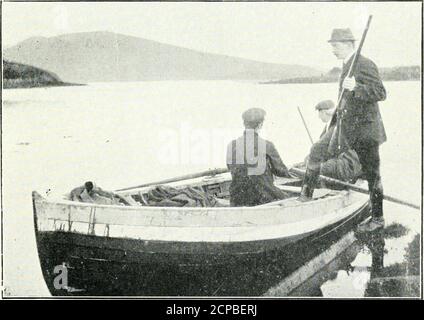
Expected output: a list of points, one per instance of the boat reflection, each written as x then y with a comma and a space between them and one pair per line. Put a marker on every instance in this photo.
401, 279
371, 267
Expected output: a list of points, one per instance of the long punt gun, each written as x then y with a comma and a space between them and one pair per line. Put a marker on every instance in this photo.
336, 139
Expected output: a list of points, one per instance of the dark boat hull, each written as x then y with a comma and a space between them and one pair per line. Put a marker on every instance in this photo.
110, 266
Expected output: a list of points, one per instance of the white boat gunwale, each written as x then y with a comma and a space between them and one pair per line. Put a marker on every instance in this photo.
268, 228
221, 234
286, 203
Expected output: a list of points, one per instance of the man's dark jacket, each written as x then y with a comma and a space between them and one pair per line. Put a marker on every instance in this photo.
362, 119
254, 189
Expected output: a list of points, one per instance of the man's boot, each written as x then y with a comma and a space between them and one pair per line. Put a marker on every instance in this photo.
377, 221
308, 186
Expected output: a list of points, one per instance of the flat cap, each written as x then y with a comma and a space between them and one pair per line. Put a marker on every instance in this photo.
339, 35
325, 105
254, 115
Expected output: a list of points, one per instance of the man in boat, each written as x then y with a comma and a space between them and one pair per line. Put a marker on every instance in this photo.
325, 110
344, 166
362, 127
253, 161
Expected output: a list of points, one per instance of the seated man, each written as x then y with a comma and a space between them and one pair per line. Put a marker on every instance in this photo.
325, 110
253, 161
344, 166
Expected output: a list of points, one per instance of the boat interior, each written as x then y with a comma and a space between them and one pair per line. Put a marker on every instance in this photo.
207, 191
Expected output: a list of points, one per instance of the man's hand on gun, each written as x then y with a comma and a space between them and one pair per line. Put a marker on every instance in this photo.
349, 83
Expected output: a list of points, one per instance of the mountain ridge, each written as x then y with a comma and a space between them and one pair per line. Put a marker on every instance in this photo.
109, 56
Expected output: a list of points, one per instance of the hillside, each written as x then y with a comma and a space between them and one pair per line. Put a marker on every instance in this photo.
17, 75
387, 74
106, 56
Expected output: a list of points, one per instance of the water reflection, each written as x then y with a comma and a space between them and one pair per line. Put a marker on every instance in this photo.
374, 266
337, 273
397, 280
375, 243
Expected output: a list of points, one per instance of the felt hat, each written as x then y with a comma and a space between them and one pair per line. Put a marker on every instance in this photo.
325, 105
340, 35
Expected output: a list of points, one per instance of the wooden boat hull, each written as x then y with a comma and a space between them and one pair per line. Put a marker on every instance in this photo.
109, 259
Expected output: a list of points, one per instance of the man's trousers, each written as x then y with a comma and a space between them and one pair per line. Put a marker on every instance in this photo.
369, 156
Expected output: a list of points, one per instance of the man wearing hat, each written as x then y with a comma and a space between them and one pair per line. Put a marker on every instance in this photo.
253, 161
344, 166
362, 127
325, 113
325, 110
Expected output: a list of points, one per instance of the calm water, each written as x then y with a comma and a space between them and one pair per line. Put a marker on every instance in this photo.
124, 134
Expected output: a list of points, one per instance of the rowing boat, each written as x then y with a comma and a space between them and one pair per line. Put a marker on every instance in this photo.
108, 242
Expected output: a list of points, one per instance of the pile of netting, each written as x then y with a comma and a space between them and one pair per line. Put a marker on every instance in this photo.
165, 196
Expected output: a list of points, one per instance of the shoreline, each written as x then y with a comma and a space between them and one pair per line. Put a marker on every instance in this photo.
30, 85
41, 85
325, 81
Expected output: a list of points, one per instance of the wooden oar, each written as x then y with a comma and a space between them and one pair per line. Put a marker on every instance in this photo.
306, 127
212, 172
356, 188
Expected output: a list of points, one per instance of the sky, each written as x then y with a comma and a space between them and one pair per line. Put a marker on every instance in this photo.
279, 32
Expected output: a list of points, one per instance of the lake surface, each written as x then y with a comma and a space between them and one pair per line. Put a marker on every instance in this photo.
125, 134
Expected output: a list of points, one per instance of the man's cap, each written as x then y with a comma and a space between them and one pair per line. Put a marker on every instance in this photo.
340, 35
254, 115
325, 105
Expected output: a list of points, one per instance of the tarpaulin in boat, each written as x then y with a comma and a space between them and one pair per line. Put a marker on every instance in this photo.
166, 196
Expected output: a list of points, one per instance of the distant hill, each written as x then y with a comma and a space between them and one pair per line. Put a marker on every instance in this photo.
18, 75
401, 73
387, 74
106, 56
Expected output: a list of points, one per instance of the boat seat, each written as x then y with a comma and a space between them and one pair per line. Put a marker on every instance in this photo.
318, 193
222, 202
